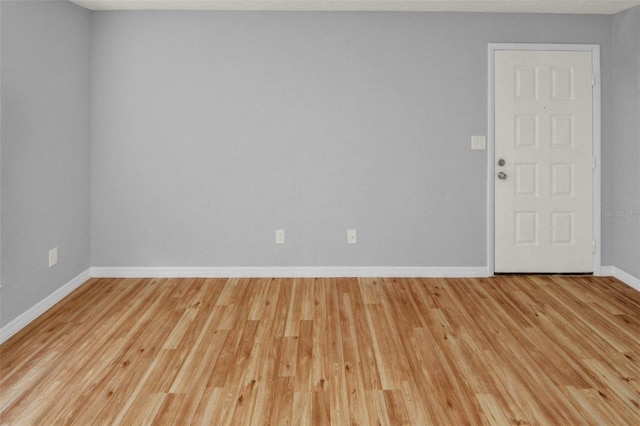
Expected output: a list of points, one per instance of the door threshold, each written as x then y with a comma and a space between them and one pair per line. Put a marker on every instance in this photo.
582, 274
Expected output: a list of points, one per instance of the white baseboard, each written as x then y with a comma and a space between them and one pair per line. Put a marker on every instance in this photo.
289, 272
39, 308
238, 272
261, 272
623, 276
606, 271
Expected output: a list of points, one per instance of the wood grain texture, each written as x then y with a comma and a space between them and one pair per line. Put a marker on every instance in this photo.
361, 351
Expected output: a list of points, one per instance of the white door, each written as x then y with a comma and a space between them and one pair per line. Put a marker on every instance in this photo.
543, 161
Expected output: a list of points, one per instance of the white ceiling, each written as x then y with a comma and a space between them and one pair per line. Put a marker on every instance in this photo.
606, 7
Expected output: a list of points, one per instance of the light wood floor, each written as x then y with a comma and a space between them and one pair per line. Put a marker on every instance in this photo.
506, 350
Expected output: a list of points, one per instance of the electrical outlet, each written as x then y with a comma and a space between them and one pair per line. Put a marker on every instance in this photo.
53, 256
279, 236
351, 236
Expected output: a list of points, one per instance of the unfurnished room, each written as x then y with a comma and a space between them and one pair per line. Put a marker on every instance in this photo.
319, 212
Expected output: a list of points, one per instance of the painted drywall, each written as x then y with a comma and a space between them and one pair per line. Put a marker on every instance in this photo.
45, 149
625, 211
212, 130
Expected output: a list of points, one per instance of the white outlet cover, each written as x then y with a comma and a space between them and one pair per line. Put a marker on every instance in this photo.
53, 256
279, 236
352, 237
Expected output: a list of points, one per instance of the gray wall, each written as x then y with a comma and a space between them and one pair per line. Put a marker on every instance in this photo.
45, 149
211, 130
626, 137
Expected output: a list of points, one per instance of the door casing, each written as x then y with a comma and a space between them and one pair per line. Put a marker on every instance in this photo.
491, 168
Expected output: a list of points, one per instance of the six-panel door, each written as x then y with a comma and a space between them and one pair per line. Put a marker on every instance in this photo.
543, 134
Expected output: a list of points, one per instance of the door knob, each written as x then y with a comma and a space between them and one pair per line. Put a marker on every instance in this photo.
502, 175
501, 162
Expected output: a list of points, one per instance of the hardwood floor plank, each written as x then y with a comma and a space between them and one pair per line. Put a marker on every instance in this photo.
391, 351
493, 411
258, 304
614, 387
386, 376
147, 411
289, 356
377, 407
295, 309
282, 303
202, 352
338, 399
237, 364
396, 409
320, 344
302, 409
363, 341
304, 370
218, 376
282, 402
352, 363
414, 405
224, 406
245, 402
321, 408
206, 407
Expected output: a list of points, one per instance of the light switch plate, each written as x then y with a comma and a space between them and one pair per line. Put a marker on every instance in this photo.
478, 142
279, 236
351, 236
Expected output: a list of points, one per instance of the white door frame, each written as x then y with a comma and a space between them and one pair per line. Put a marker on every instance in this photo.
595, 54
